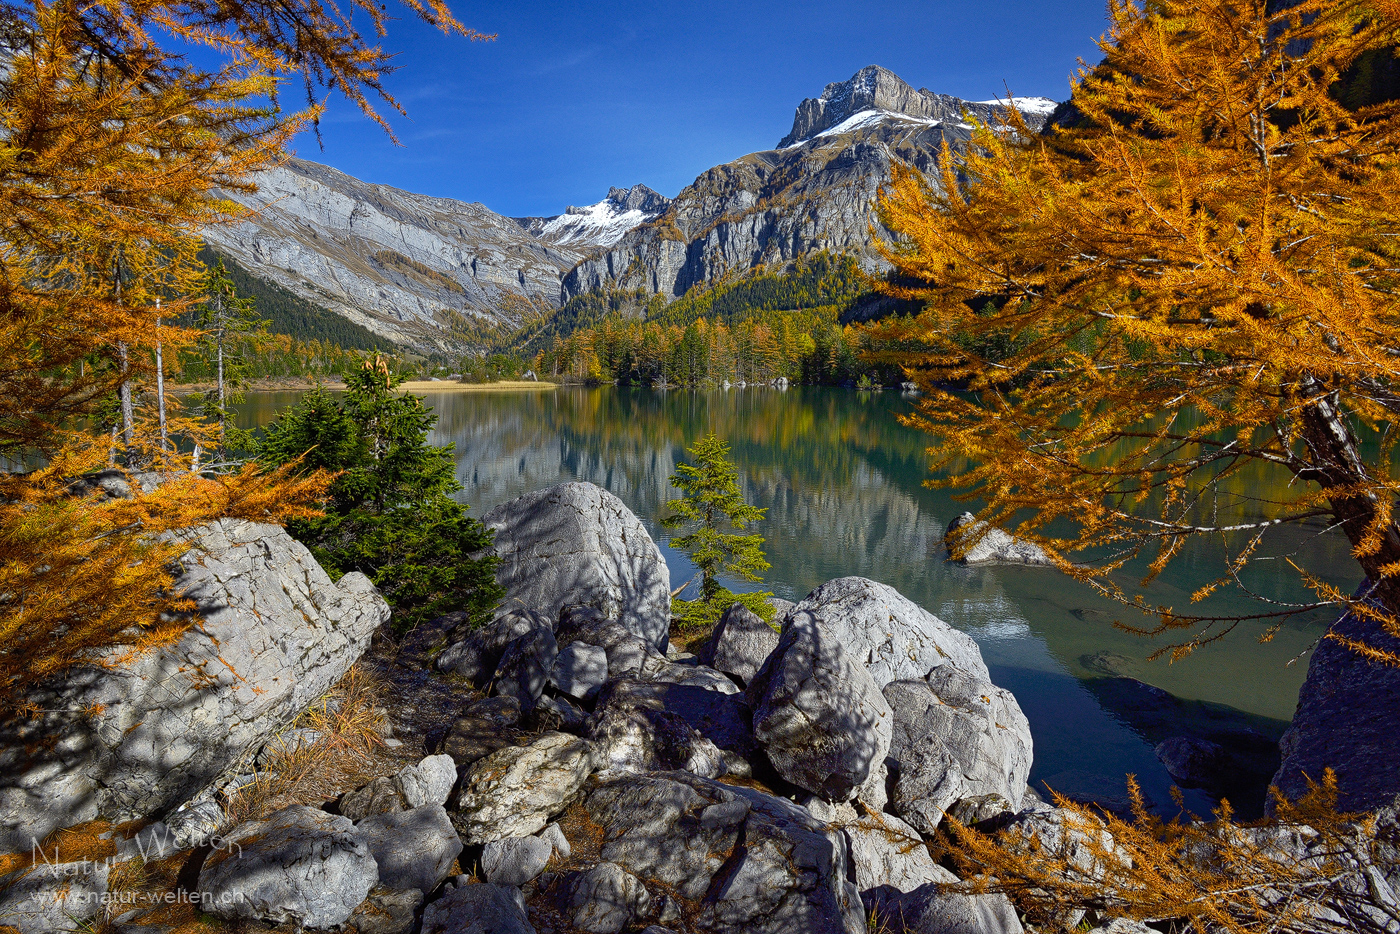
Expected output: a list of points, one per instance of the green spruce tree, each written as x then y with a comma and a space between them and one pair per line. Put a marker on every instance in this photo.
714, 509
391, 514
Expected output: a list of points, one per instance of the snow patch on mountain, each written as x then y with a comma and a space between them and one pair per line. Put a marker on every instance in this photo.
1027, 105
602, 224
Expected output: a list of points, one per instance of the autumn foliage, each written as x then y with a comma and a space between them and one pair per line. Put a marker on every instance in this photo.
1311, 870
118, 148
1186, 287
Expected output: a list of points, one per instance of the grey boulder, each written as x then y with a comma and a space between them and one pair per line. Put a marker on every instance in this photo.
752, 862
558, 713
818, 713
724, 719
428, 782
580, 670
955, 736
516, 860
603, 899
889, 635
49, 898
628, 655
1360, 742
984, 544
740, 643
383, 912
515, 791
276, 633
524, 667
414, 849
886, 852
482, 908
576, 543
299, 866
634, 735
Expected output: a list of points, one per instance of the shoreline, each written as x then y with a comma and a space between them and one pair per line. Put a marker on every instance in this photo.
416, 385
505, 385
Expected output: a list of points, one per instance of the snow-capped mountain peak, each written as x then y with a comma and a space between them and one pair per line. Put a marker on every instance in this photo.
602, 224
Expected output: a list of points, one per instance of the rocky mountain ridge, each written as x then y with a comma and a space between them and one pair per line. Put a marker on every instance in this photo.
815, 191
433, 273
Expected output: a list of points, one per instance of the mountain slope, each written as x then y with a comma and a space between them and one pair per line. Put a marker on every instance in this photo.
815, 191
407, 267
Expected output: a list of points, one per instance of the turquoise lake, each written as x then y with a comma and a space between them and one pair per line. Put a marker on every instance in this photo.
843, 483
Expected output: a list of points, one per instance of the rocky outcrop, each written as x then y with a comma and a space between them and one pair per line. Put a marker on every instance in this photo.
300, 866
601, 224
815, 191
878, 89
982, 544
576, 543
930, 910
405, 266
1348, 720
818, 713
141, 738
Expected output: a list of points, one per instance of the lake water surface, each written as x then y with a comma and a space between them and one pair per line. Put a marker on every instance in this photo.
842, 481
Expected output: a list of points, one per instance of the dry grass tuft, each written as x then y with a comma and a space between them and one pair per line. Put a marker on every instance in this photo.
66, 845
350, 753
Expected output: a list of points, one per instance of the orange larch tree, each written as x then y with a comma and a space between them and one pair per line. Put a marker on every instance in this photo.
1132, 319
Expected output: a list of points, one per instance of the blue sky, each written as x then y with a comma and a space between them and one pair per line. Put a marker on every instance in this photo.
575, 97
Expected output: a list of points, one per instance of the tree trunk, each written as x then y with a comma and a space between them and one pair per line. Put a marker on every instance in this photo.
160, 386
124, 393
1332, 461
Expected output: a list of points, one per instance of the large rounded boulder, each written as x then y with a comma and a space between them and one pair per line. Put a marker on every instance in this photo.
955, 736
576, 543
